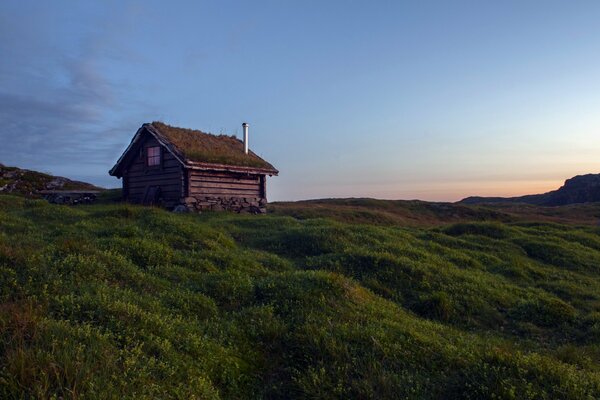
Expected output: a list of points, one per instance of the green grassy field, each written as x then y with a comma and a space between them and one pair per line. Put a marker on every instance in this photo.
422, 213
119, 301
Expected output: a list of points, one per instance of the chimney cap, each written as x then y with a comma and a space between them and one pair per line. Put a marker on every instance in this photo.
245, 124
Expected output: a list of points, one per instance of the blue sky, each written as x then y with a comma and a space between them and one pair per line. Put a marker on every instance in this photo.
401, 100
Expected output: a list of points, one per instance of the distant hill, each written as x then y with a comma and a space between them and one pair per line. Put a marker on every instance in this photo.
386, 212
422, 213
579, 189
28, 183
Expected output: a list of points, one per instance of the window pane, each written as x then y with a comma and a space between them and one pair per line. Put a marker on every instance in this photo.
153, 156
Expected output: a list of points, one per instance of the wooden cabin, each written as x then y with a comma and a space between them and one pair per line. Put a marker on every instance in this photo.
177, 167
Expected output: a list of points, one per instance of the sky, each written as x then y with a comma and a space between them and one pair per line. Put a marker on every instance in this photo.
431, 100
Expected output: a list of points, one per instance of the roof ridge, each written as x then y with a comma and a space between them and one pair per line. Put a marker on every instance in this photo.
196, 146
225, 135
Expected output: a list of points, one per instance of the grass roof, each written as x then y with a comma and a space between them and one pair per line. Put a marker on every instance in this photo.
204, 147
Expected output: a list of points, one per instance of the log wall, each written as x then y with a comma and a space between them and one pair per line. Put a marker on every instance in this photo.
138, 177
210, 190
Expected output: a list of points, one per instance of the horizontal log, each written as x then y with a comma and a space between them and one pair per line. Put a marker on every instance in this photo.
233, 169
225, 181
173, 177
163, 195
204, 190
152, 177
241, 186
141, 177
141, 163
203, 174
170, 178
142, 168
143, 190
163, 188
208, 198
168, 173
223, 193
218, 192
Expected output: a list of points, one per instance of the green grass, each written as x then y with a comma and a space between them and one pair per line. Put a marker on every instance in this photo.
421, 213
120, 301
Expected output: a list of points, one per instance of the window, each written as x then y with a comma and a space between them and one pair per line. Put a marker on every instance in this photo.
153, 156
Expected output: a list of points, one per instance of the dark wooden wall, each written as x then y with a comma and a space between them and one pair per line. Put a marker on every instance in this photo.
169, 176
225, 184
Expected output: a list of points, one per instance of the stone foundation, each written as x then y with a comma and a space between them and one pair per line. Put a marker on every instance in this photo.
69, 197
251, 205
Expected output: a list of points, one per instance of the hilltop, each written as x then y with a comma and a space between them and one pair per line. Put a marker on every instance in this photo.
28, 183
423, 213
122, 301
579, 189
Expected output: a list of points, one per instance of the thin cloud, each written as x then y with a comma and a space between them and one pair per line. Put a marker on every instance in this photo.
61, 111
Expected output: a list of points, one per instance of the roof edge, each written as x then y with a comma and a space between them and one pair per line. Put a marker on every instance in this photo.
115, 168
233, 168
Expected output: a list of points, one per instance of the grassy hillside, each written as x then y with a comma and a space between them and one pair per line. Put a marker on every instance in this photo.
118, 301
423, 213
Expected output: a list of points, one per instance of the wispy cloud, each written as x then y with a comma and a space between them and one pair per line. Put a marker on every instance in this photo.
59, 122
60, 110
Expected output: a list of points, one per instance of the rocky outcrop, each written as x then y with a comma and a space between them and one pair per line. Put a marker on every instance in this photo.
70, 197
579, 189
32, 184
251, 205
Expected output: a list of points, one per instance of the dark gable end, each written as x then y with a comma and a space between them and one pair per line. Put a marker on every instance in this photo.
132, 150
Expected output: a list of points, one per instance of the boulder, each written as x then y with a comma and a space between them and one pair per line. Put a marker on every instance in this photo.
180, 209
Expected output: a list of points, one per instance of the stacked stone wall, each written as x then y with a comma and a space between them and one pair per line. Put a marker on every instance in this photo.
252, 205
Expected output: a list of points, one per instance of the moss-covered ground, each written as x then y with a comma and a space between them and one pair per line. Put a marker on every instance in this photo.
121, 301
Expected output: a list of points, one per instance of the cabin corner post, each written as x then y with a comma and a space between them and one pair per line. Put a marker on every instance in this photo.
263, 187
125, 185
185, 182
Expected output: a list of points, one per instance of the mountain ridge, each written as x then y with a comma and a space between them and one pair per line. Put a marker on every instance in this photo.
575, 190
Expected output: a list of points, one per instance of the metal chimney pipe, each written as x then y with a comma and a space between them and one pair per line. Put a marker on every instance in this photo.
245, 127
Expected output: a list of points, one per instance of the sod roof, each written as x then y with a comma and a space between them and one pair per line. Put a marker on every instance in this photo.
201, 147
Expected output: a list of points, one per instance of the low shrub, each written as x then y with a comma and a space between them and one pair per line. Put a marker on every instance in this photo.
489, 229
544, 311
437, 305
